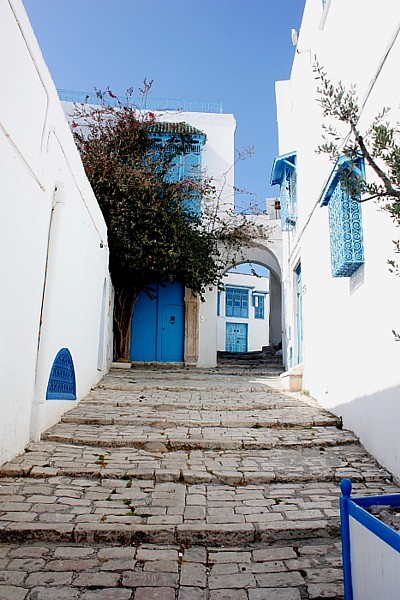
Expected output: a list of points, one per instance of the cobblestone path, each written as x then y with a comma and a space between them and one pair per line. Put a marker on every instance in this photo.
182, 485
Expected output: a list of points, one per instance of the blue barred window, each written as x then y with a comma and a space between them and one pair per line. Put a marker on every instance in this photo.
284, 174
345, 223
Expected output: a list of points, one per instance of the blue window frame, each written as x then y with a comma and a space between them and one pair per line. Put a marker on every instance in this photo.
259, 304
284, 174
345, 222
237, 302
185, 143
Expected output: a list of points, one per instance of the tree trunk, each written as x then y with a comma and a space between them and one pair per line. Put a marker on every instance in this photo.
125, 300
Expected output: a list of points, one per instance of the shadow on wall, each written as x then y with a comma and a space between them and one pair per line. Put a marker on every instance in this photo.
375, 419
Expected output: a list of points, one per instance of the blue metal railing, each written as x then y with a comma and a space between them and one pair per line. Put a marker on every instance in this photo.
158, 104
355, 507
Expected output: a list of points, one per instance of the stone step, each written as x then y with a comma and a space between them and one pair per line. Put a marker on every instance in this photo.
234, 384
289, 571
180, 380
291, 416
186, 438
281, 465
126, 511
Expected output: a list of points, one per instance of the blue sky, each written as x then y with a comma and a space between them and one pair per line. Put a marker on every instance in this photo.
229, 51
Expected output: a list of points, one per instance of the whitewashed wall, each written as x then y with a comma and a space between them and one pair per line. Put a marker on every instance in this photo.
258, 329
351, 360
53, 242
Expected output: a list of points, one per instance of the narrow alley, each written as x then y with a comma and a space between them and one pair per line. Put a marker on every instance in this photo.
178, 484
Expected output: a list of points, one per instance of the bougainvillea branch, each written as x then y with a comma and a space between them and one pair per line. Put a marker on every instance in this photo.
152, 235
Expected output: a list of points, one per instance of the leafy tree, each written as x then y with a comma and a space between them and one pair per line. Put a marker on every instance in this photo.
153, 233
378, 145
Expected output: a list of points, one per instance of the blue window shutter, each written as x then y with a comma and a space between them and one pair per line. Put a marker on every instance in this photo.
284, 175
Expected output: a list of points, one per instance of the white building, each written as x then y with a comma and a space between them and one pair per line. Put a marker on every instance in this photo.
55, 317
176, 326
243, 313
339, 319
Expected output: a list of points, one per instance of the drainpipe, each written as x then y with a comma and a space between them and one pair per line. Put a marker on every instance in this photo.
39, 400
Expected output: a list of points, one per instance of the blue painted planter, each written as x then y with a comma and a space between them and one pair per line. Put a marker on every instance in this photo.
370, 548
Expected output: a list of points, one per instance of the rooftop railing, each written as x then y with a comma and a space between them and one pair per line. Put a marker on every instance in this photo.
158, 104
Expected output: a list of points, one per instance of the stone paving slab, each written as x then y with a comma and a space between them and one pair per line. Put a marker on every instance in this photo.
179, 484
135, 510
49, 571
185, 379
309, 463
165, 399
184, 438
279, 417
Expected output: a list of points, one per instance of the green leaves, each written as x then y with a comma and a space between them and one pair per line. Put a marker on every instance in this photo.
153, 236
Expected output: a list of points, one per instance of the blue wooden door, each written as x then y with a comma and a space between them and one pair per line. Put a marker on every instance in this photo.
158, 324
171, 342
299, 316
236, 337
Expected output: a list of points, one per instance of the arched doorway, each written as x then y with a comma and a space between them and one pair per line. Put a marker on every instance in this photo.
259, 253
243, 309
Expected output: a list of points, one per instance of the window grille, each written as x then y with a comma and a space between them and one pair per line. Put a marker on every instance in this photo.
62, 384
237, 302
345, 224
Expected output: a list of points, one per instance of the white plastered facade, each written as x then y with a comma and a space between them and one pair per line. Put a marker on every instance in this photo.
56, 291
350, 356
257, 328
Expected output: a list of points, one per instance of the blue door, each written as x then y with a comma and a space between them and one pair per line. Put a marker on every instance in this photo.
299, 316
236, 337
158, 324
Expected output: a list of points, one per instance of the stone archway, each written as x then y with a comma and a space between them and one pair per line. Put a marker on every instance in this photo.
264, 256
201, 327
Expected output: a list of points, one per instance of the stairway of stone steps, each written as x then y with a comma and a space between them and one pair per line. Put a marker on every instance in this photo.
266, 361
182, 484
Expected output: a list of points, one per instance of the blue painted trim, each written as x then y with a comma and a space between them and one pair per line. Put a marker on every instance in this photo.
384, 500
233, 286
375, 526
332, 182
346, 486
278, 168
355, 507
